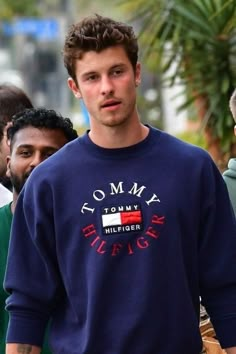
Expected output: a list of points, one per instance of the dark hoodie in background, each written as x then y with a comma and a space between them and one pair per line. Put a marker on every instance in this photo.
230, 180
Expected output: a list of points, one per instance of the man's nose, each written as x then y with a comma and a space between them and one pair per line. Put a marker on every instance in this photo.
37, 158
106, 85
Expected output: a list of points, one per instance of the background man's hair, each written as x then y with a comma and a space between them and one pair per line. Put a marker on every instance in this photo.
12, 100
97, 33
232, 104
41, 118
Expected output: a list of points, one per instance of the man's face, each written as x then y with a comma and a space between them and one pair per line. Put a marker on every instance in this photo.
4, 151
107, 83
31, 146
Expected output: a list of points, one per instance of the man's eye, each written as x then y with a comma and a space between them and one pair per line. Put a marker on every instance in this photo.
25, 153
92, 78
117, 72
50, 153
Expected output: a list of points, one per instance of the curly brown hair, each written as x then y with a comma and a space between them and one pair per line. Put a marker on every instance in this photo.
41, 118
97, 33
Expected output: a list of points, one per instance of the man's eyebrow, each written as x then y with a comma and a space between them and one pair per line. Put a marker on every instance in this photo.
118, 65
24, 146
51, 148
88, 73
93, 72
30, 146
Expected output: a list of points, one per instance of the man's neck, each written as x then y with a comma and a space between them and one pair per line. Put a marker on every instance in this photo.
114, 137
13, 204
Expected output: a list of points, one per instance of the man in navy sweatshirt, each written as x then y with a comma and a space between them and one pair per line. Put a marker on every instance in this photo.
118, 236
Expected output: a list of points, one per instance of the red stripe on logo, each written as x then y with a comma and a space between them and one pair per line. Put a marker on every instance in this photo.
131, 217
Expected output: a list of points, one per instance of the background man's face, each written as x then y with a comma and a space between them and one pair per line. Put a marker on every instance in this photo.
31, 146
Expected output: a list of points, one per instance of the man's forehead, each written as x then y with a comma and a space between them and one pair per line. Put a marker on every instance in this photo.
108, 58
33, 136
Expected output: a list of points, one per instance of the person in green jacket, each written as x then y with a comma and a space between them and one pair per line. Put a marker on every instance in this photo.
230, 174
34, 135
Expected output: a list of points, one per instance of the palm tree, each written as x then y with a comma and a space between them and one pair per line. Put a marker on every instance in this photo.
199, 37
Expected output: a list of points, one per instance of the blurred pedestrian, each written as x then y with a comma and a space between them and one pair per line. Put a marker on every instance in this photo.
230, 174
12, 100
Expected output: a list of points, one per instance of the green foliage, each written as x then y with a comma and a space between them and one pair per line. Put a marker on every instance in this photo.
199, 38
13, 8
191, 137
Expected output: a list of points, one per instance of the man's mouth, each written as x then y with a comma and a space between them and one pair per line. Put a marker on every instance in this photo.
110, 104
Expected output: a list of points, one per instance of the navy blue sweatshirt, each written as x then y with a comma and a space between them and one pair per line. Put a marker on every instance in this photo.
117, 245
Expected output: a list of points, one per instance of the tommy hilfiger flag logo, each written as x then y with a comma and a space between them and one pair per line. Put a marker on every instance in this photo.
119, 219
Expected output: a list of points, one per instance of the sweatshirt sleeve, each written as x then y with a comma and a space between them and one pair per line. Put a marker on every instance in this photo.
217, 257
32, 276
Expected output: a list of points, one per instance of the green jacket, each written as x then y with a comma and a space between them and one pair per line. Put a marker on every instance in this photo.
5, 228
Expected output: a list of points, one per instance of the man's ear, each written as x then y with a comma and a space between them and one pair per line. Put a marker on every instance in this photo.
235, 130
138, 74
8, 172
73, 87
7, 126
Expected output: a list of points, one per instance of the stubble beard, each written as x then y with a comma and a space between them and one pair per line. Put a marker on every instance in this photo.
17, 182
118, 119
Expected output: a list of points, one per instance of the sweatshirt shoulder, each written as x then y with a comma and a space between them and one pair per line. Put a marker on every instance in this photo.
180, 149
